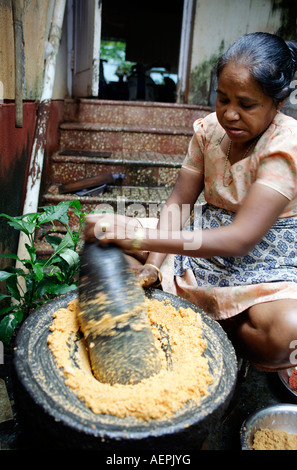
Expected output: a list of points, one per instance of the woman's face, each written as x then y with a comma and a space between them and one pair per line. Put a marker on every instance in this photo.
242, 108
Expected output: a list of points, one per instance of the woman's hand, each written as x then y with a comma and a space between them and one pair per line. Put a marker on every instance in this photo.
147, 274
121, 230
107, 228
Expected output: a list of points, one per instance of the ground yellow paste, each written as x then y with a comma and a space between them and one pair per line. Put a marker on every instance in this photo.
274, 439
157, 397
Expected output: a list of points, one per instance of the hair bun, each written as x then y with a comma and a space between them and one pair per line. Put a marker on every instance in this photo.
271, 61
292, 45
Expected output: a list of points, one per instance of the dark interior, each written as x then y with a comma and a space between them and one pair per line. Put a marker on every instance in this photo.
151, 31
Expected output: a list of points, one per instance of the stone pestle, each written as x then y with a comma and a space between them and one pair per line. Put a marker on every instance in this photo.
113, 318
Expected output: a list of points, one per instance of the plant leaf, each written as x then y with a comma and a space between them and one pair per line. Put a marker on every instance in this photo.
53, 240
38, 270
71, 257
63, 289
7, 326
12, 286
76, 204
21, 224
5, 275
66, 243
58, 212
4, 296
32, 252
45, 286
14, 270
9, 255
6, 309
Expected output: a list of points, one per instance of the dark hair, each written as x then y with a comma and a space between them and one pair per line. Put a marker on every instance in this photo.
271, 60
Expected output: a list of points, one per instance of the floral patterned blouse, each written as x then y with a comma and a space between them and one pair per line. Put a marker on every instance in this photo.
273, 162
224, 287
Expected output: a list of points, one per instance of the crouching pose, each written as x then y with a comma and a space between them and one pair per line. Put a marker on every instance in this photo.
238, 261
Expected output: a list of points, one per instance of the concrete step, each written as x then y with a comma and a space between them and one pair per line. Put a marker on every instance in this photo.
146, 142
135, 201
133, 112
138, 168
124, 137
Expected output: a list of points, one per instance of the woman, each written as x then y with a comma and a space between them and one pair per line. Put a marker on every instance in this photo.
241, 267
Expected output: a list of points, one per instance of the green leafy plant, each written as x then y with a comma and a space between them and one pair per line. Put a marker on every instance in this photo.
35, 281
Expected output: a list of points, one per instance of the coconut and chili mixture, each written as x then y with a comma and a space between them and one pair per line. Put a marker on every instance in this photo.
157, 397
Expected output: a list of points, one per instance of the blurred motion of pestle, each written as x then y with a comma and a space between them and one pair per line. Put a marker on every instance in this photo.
113, 317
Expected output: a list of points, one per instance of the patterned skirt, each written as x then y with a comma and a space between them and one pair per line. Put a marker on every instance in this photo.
224, 287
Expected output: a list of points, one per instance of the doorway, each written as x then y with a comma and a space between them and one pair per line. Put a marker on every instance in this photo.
129, 50
140, 45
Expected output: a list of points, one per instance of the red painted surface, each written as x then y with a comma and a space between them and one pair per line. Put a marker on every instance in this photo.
52, 138
15, 151
15, 148
14, 140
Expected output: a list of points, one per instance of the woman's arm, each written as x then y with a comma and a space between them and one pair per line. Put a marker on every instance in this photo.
178, 207
173, 215
261, 208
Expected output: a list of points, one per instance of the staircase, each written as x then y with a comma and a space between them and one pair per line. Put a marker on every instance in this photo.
143, 143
